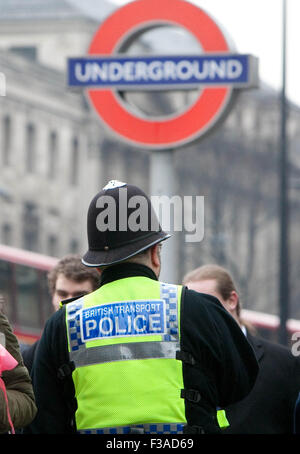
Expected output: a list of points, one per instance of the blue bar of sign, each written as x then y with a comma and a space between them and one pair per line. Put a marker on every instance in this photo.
122, 319
160, 72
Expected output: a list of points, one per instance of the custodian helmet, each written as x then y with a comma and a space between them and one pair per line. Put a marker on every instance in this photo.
121, 222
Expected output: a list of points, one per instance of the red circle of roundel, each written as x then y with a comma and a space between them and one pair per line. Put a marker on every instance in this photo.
186, 126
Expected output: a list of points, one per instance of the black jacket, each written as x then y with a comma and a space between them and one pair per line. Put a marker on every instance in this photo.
269, 408
225, 369
297, 416
28, 354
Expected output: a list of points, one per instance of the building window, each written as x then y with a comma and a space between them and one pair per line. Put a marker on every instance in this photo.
30, 227
6, 142
53, 245
7, 234
74, 176
74, 246
53, 155
30, 149
29, 52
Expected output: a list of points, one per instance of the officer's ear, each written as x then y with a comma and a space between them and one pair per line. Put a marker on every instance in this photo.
155, 256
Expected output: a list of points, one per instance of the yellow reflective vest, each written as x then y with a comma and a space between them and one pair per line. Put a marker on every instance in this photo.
123, 339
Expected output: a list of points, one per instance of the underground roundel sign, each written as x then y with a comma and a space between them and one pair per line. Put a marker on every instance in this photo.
105, 73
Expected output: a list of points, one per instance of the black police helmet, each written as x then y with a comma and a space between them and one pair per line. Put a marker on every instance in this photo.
121, 222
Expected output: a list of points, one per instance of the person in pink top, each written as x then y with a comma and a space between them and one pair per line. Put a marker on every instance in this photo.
17, 403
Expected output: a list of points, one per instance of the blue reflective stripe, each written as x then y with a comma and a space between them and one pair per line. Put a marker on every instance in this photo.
168, 292
73, 321
172, 428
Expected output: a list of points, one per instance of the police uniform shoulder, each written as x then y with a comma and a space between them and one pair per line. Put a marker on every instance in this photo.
69, 300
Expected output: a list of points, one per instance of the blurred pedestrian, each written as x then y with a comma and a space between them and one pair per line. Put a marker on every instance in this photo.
17, 405
269, 408
68, 279
130, 356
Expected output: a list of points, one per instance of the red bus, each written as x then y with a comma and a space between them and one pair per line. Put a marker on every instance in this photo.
267, 325
23, 284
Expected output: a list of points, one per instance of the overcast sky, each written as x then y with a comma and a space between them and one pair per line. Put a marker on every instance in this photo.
256, 28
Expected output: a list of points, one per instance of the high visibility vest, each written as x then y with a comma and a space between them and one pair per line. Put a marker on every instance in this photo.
123, 339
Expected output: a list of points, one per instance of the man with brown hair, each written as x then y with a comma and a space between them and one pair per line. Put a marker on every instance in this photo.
69, 279
269, 408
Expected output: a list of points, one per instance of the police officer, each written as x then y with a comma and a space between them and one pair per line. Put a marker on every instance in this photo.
137, 355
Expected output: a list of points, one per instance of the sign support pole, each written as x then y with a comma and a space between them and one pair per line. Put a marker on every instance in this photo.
284, 289
163, 183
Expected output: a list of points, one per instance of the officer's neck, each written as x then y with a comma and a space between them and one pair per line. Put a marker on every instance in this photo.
123, 270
